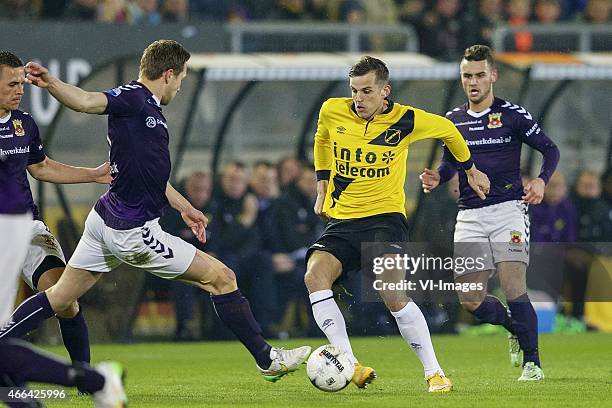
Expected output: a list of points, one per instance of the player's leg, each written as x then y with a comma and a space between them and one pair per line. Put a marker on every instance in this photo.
322, 270
73, 326
235, 312
14, 237
20, 364
471, 241
413, 327
512, 276
41, 270
73, 283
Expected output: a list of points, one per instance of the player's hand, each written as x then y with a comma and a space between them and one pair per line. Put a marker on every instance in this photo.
430, 179
102, 173
320, 202
197, 221
318, 207
534, 191
37, 75
478, 181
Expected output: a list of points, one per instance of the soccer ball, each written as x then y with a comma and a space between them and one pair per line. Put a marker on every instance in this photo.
329, 368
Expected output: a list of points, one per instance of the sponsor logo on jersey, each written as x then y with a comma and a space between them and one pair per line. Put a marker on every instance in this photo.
495, 120
151, 122
340, 130
516, 237
19, 130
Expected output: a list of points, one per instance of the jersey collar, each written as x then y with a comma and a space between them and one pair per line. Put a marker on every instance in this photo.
6, 118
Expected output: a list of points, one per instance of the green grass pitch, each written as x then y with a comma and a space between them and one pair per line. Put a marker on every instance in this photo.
578, 371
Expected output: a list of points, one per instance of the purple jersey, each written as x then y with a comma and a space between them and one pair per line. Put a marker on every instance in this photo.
20, 146
495, 137
139, 156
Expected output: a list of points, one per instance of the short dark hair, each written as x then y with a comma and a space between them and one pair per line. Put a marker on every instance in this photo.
369, 64
479, 52
161, 56
10, 60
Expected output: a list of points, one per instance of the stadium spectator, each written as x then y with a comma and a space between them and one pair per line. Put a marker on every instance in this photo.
239, 241
597, 12
441, 30
197, 188
288, 171
298, 227
18, 9
519, 12
144, 12
593, 211
554, 220
82, 10
380, 12
481, 24
411, 11
52, 9
264, 185
606, 183
113, 11
594, 225
288, 10
175, 11
547, 11
571, 8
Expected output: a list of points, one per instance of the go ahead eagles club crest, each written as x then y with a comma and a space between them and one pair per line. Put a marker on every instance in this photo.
494, 120
19, 131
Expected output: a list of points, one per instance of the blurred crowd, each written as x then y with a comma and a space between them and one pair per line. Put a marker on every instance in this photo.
444, 27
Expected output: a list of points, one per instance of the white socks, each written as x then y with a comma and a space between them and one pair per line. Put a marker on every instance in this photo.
330, 320
414, 330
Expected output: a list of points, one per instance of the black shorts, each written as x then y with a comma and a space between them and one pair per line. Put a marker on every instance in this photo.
343, 238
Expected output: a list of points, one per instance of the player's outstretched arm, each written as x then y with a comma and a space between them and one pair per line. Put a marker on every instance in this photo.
73, 97
59, 173
193, 217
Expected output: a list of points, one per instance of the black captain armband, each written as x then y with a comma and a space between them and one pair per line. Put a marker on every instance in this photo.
323, 175
467, 164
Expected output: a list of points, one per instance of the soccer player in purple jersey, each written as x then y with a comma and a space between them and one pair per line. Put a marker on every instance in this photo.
123, 225
19, 363
22, 148
497, 228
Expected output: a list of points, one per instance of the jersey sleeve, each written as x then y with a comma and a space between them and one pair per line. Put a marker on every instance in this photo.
533, 135
448, 166
37, 152
322, 146
124, 101
430, 126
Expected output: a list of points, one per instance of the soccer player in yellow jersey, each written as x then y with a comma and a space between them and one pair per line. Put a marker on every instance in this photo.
361, 148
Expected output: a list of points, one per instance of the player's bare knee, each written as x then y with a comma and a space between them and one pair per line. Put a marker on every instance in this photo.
70, 312
225, 281
315, 281
60, 303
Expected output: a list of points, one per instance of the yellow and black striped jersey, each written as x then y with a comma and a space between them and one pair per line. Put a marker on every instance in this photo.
365, 160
